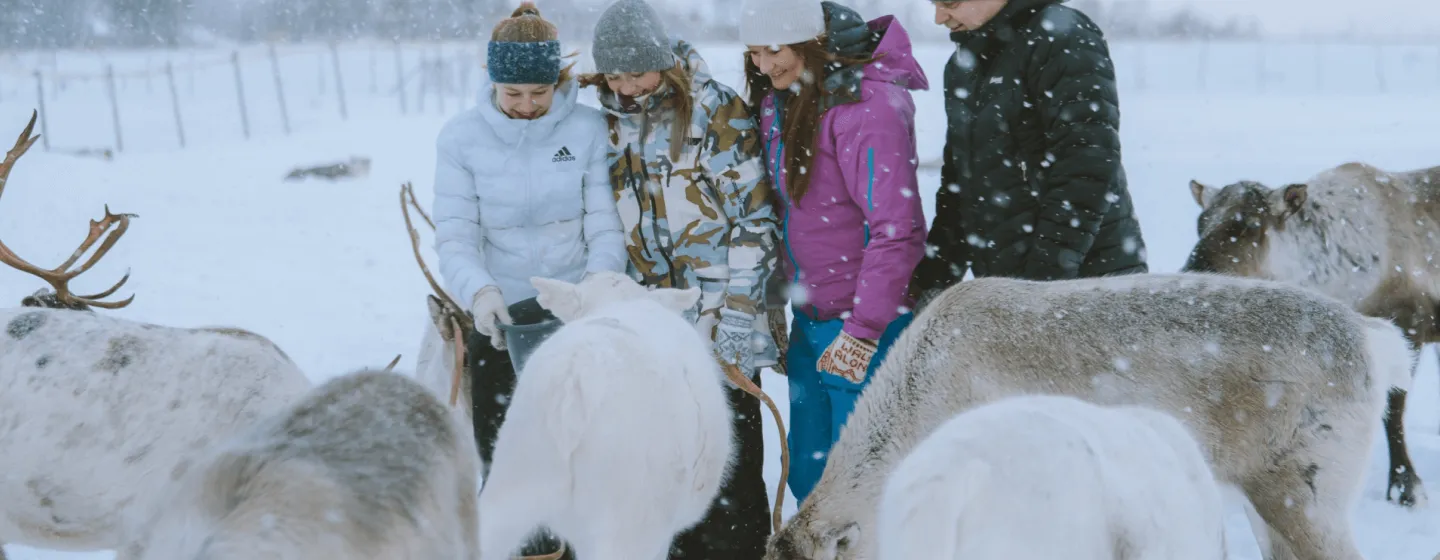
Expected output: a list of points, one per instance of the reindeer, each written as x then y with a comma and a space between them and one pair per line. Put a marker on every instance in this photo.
1281, 386
369, 465
101, 413
1048, 476
443, 367
1356, 233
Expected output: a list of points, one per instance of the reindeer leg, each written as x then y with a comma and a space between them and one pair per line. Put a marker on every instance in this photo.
1402, 480
1402, 471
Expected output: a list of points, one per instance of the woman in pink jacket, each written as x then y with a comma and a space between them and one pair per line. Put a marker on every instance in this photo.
838, 125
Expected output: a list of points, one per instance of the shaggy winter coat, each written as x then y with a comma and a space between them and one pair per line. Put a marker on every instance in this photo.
1032, 185
520, 198
704, 220
853, 241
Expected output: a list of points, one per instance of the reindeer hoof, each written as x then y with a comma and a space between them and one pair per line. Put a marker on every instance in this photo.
1410, 491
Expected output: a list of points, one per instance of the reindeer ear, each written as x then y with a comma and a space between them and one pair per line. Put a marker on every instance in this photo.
1292, 199
675, 300
1201, 192
561, 298
438, 317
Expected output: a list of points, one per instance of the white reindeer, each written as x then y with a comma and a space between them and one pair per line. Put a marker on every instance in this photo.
618, 434
1365, 236
369, 465
1282, 386
1048, 476
101, 414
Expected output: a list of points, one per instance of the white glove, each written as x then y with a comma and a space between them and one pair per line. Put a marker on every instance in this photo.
732, 339
488, 306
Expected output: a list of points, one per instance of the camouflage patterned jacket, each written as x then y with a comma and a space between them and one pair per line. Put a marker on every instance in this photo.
705, 219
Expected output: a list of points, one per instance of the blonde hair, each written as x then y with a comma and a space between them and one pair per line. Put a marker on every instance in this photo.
525, 25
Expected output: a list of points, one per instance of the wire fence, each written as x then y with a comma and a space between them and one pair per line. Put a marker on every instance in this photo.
99, 103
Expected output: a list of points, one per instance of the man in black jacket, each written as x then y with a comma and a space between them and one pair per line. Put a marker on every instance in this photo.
1032, 184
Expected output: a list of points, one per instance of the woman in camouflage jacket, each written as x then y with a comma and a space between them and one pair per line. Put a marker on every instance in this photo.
695, 209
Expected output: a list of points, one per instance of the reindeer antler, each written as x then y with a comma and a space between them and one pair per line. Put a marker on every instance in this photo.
22, 145
60, 276
408, 190
455, 313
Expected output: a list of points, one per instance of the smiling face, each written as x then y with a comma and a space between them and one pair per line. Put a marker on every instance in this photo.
525, 101
966, 15
633, 84
783, 65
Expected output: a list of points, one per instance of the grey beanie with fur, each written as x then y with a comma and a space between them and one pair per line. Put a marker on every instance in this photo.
630, 37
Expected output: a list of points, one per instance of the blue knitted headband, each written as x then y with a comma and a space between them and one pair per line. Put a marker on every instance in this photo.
524, 63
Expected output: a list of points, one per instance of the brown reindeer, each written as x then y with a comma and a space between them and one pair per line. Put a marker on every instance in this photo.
1359, 234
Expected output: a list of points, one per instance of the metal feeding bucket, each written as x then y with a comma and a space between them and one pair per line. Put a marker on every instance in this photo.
533, 325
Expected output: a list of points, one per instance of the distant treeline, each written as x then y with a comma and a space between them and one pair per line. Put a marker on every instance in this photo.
26, 24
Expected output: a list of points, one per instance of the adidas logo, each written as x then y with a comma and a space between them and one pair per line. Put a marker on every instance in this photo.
563, 155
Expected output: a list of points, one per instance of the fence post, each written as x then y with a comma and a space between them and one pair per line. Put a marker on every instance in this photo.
1380, 68
40, 99
114, 106
374, 72
339, 81
424, 83
400, 76
240, 93
320, 74
442, 75
175, 101
279, 88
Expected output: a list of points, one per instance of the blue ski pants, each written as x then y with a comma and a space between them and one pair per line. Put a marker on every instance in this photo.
820, 402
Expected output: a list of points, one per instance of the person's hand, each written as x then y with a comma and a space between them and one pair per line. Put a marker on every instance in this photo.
848, 357
732, 339
488, 307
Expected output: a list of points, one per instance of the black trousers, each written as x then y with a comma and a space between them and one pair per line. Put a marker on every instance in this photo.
490, 388
738, 523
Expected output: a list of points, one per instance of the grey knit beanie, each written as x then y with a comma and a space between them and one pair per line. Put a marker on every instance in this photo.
631, 38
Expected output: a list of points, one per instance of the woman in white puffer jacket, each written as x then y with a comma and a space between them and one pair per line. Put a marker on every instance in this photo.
522, 189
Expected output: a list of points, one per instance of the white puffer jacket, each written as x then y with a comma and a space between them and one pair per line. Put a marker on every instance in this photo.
520, 198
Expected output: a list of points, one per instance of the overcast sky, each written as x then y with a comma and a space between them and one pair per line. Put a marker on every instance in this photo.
1292, 17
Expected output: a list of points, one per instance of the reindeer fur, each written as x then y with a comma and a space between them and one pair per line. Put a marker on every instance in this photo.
1356, 233
369, 465
618, 434
1281, 385
100, 414
1083, 482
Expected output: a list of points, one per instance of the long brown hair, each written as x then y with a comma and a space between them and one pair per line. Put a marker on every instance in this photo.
678, 98
801, 110
525, 25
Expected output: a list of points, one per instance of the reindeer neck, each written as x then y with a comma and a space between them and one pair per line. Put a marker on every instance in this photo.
1338, 249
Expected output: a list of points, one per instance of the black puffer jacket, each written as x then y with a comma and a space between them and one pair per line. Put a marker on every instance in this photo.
1032, 185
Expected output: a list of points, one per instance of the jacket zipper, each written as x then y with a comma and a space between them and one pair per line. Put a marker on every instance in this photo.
660, 238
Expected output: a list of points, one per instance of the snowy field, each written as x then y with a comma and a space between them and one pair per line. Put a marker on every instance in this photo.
325, 269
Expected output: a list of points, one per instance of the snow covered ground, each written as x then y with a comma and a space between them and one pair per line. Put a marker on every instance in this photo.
325, 269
